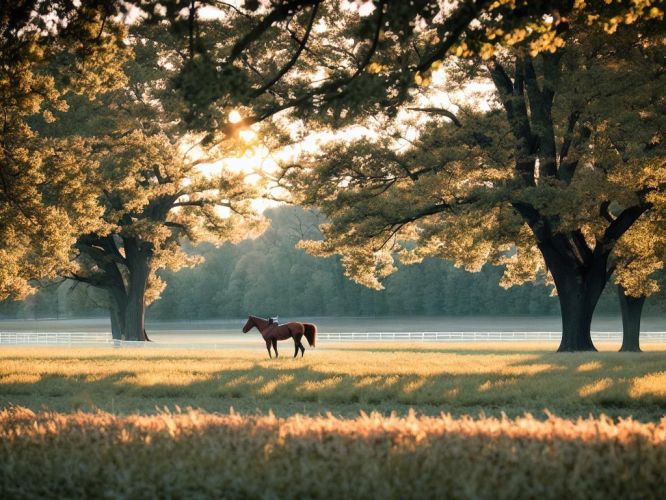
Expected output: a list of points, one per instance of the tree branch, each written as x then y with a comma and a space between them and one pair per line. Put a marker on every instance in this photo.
442, 112
293, 59
375, 40
451, 29
568, 168
327, 92
88, 280
603, 211
622, 223
99, 254
176, 225
197, 203
433, 210
277, 14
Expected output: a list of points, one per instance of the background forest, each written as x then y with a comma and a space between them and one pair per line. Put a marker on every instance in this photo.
269, 275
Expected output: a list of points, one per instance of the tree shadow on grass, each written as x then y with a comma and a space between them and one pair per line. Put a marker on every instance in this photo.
569, 385
435, 350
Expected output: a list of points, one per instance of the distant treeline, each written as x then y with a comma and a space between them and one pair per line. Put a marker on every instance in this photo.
269, 276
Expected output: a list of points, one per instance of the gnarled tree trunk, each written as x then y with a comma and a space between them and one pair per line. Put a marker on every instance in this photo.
632, 308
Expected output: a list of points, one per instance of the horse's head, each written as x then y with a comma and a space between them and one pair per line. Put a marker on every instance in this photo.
249, 324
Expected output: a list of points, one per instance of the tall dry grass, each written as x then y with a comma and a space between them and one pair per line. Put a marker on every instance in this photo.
196, 455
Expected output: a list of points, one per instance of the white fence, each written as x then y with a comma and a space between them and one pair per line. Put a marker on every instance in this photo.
475, 336
59, 338
104, 338
438, 336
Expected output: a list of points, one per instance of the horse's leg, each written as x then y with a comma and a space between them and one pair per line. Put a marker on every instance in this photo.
275, 347
300, 339
268, 346
297, 342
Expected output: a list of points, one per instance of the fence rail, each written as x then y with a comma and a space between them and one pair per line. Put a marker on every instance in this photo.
465, 336
104, 338
59, 338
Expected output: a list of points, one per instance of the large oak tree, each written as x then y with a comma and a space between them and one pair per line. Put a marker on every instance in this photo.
559, 172
146, 175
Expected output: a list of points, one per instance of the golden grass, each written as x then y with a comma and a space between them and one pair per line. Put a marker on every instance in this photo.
461, 379
199, 455
134, 449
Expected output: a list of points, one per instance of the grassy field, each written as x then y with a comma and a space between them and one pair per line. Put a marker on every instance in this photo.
365, 421
476, 379
195, 455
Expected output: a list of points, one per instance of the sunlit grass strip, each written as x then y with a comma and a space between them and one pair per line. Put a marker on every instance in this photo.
195, 454
382, 377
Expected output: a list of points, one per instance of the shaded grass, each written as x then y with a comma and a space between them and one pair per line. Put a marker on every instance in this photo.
488, 379
198, 455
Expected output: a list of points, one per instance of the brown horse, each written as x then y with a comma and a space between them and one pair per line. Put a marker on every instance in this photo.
272, 332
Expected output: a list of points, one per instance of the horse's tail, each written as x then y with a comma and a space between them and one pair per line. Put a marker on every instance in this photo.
310, 333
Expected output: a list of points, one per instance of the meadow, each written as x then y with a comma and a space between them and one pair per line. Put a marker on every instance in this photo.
365, 420
461, 379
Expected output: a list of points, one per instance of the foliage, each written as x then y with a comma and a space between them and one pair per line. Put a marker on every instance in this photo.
155, 198
236, 279
639, 257
244, 279
457, 181
41, 182
330, 61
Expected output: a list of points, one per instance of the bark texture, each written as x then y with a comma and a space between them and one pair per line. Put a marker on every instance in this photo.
632, 308
138, 263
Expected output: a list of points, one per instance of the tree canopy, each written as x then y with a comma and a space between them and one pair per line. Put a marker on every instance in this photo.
46, 50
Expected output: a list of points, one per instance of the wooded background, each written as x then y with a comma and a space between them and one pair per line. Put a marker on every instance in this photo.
251, 276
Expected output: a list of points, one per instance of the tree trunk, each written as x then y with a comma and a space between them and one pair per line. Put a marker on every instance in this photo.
139, 270
631, 308
116, 322
135, 312
577, 306
117, 308
579, 287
